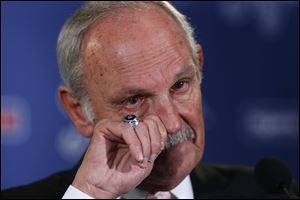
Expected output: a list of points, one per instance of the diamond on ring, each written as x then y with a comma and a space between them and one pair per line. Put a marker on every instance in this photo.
132, 120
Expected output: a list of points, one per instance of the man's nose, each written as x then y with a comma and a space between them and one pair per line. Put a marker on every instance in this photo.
168, 113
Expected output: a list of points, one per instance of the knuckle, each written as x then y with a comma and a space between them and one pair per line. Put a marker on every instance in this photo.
125, 126
156, 147
142, 126
126, 132
99, 124
150, 122
153, 117
99, 127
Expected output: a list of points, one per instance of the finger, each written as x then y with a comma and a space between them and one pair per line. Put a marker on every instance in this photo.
162, 130
143, 135
155, 138
120, 132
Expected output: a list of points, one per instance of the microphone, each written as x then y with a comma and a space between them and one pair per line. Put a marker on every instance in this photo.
274, 176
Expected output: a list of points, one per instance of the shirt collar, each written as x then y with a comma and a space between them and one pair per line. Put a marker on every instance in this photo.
182, 191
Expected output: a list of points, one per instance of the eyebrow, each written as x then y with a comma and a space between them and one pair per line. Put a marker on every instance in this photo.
186, 70
124, 93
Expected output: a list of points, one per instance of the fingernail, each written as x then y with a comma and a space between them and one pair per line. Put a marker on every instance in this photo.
162, 146
145, 161
152, 158
141, 157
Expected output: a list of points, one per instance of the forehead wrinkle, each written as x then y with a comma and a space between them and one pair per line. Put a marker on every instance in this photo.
150, 57
152, 49
145, 67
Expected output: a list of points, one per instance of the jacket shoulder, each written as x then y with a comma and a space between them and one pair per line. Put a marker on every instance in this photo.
227, 181
217, 177
53, 186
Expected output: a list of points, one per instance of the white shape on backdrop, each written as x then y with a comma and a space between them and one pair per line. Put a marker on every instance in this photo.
269, 18
69, 144
15, 120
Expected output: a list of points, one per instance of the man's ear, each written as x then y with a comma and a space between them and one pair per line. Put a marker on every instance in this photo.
74, 109
200, 56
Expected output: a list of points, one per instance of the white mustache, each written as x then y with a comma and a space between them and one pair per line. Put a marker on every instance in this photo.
183, 135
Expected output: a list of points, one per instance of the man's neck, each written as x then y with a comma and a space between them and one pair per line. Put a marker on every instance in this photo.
183, 190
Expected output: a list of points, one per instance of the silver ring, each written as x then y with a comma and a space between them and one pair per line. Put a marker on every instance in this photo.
132, 120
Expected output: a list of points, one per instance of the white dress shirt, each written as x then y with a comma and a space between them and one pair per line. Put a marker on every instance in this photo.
182, 191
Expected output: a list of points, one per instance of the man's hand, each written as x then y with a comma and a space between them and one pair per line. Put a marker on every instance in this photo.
119, 157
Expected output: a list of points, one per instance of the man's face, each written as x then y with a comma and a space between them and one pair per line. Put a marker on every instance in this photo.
138, 62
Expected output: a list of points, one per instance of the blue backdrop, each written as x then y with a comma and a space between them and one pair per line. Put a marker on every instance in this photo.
250, 87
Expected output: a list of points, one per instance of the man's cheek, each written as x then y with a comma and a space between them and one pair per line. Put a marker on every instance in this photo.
190, 107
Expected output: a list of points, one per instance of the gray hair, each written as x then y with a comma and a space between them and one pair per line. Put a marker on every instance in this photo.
71, 34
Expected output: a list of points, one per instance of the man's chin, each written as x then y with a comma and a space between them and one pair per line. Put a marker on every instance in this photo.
152, 188
152, 184
171, 167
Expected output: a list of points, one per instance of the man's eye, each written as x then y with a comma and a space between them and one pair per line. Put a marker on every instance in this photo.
179, 85
133, 100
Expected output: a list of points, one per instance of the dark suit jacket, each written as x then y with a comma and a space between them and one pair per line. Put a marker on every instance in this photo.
209, 181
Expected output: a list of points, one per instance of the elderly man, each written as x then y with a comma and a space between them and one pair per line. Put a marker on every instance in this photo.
132, 58
132, 74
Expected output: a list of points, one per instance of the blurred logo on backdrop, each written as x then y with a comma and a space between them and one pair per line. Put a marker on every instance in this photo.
70, 144
15, 120
270, 18
273, 122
